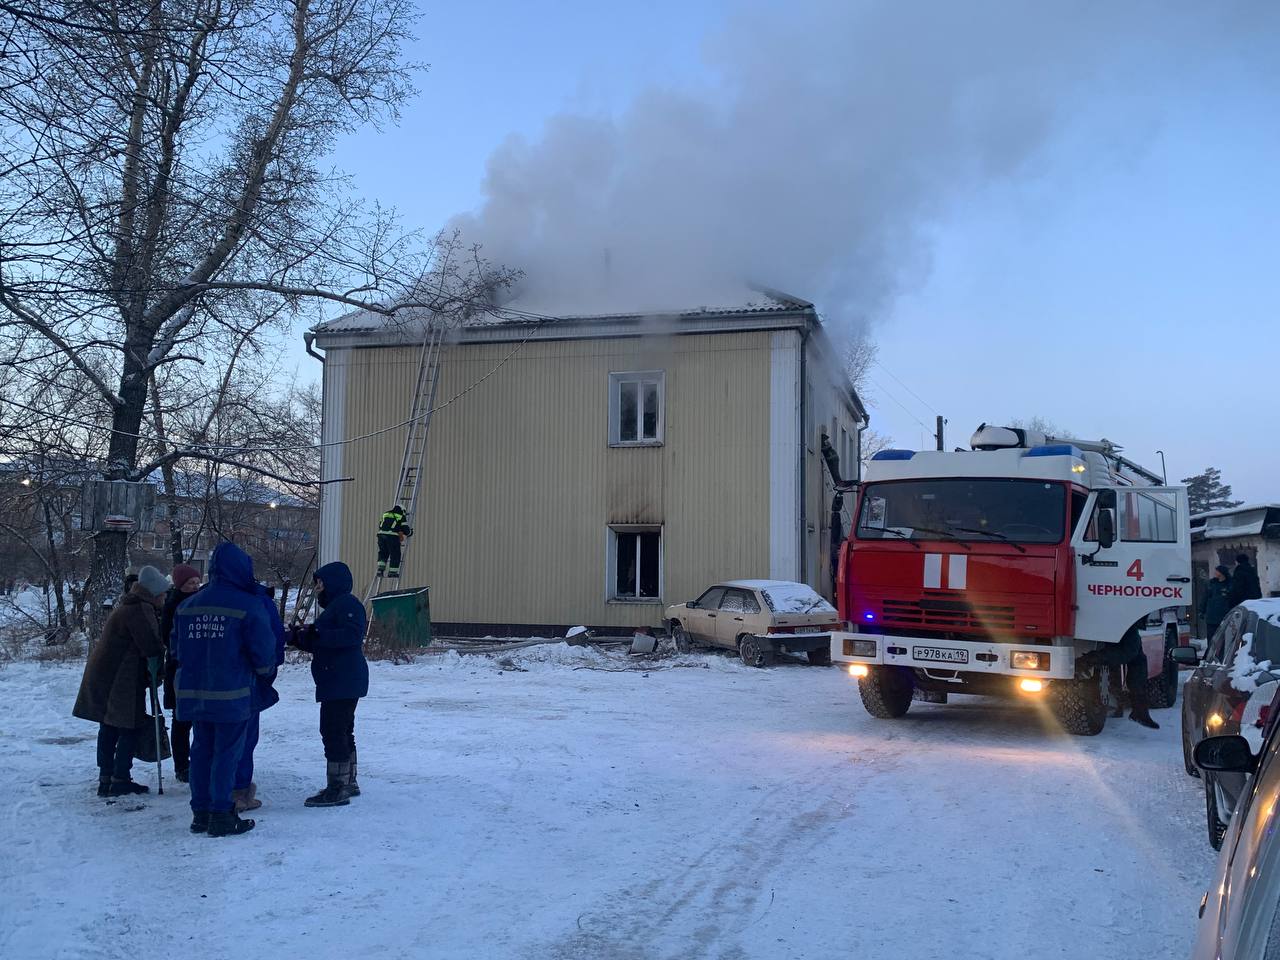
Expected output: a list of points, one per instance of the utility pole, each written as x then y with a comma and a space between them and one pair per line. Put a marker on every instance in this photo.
938, 436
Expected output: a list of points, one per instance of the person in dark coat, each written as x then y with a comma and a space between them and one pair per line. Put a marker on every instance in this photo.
113, 689
186, 581
1128, 653
1245, 584
245, 793
1216, 602
223, 642
341, 674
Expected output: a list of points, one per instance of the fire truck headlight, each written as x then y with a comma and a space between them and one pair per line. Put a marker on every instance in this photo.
1029, 685
1029, 660
858, 670
862, 648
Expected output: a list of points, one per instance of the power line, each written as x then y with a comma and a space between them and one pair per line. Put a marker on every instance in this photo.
904, 407
924, 402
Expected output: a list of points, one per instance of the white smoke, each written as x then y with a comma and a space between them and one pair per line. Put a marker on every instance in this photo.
836, 134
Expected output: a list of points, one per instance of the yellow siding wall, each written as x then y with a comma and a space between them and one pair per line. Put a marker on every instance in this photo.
521, 481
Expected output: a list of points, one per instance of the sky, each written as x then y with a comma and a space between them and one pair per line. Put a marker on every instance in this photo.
1058, 211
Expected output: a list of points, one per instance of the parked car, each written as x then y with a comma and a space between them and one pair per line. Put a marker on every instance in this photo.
759, 619
1164, 630
1230, 692
1239, 915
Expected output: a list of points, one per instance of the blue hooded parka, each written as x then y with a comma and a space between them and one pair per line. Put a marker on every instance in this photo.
223, 641
336, 640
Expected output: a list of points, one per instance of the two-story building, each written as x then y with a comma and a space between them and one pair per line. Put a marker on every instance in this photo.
590, 469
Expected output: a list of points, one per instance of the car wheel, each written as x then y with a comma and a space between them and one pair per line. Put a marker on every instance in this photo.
1162, 691
886, 691
1078, 706
679, 637
820, 657
755, 652
1217, 829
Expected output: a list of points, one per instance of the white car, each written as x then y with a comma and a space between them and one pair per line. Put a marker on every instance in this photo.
758, 618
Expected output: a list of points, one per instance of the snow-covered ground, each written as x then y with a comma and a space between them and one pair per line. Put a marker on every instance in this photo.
577, 809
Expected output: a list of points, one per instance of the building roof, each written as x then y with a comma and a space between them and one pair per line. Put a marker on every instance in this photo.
1247, 520
525, 310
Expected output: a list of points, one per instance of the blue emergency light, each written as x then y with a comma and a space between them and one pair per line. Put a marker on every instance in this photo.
1054, 450
894, 455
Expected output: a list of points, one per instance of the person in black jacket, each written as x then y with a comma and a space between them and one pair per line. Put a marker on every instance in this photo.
341, 674
1128, 653
186, 581
1244, 581
1216, 602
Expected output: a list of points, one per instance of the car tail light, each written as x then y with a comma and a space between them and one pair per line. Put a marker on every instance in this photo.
1264, 715
1237, 712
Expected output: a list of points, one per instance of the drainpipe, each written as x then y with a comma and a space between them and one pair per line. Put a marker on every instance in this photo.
804, 450
309, 338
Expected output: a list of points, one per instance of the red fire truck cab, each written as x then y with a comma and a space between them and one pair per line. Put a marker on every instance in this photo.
996, 570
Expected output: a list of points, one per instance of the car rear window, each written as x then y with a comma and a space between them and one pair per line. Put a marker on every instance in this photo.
794, 598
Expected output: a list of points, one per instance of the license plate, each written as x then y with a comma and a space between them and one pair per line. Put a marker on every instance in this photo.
940, 654
809, 630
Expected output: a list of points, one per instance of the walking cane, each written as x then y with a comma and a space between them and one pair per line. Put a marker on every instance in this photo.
153, 667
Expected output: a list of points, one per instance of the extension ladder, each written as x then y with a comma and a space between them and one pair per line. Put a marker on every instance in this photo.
413, 463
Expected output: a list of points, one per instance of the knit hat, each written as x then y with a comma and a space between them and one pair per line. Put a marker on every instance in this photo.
182, 573
153, 581
1222, 569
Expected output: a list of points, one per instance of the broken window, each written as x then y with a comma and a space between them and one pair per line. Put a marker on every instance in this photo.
635, 407
637, 564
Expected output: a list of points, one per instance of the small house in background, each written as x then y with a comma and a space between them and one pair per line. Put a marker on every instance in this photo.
588, 469
1219, 536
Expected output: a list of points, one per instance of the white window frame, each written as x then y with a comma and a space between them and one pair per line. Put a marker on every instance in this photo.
611, 561
616, 379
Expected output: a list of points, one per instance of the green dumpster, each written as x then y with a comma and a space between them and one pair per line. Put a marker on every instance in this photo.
402, 618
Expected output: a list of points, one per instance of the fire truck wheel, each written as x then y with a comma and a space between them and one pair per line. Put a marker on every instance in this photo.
1078, 707
886, 691
755, 652
820, 657
679, 637
1162, 690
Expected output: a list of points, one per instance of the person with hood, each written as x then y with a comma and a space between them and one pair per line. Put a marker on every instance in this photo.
113, 689
186, 581
1245, 584
1216, 602
341, 674
245, 793
392, 532
223, 642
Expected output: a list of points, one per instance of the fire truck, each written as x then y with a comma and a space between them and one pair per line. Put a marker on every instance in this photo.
997, 570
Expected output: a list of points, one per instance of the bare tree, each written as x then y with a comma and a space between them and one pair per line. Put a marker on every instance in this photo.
162, 201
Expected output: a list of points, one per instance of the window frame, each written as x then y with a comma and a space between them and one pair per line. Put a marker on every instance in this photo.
616, 379
611, 562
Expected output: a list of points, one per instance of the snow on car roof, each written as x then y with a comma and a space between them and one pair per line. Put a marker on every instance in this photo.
786, 596
1267, 609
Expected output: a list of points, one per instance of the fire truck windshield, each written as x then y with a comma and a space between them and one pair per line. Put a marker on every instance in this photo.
995, 510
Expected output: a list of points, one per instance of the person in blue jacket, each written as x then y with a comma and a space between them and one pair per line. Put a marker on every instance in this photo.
245, 793
336, 643
223, 642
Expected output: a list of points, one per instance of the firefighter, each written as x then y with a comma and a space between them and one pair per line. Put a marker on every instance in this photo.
392, 532
1128, 653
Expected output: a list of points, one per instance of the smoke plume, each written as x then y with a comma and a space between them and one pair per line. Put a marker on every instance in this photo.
835, 136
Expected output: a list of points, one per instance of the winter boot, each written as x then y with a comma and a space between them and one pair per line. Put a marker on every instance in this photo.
227, 824
125, 788
246, 799
104, 785
182, 776
1143, 716
337, 793
353, 788
200, 821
